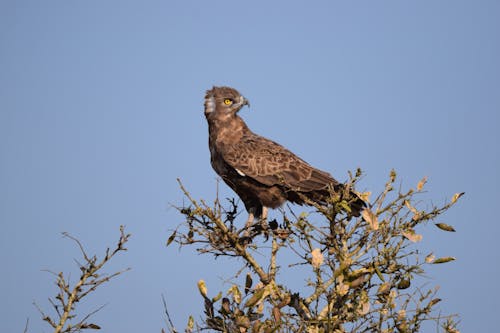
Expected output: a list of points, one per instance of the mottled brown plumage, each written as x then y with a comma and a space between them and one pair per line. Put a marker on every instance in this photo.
262, 172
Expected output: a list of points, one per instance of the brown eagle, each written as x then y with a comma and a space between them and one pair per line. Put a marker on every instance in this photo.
262, 172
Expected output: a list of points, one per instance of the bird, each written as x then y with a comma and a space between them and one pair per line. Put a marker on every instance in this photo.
263, 173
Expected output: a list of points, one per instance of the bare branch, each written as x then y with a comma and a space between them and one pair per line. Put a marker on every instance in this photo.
171, 327
90, 278
359, 272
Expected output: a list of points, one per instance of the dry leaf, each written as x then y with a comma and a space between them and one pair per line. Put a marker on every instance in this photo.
392, 175
260, 307
226, 306
430, 258
384, 288
202, 287
364, 305
371, 218
236, 293
456, 196
401, 314
365, 308
313, 329
412, 236
190, 323
410, 207
243, 323
277, 314
365, 196
404, 284
317, 258
342, 289
421, 184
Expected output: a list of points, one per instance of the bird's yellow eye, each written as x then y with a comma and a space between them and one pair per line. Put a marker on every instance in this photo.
228, 101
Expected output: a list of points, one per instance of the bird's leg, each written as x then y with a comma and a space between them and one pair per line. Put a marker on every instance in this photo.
264, 213
251, 219
263, 218
249, 223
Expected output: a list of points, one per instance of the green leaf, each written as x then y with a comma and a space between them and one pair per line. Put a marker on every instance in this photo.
445, 227
434, 302
236, 293
345, 206
202, 287
218, 297
404, 284
392, 175
190, 323
258, 296
378, 272
171, 238
443, 260
248, 283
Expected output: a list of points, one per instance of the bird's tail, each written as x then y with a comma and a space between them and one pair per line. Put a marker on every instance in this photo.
355, 202
357, 205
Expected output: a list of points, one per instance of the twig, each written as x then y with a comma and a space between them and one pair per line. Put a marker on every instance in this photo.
171, 327
26, 325
65, 300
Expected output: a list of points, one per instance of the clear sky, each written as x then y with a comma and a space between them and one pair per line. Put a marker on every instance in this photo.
101, 109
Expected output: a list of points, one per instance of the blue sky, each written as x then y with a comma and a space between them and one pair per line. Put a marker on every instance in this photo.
101, 109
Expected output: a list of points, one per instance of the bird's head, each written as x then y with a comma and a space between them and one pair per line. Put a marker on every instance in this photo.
224, 101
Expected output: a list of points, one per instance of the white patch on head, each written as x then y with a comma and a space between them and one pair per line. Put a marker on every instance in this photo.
210, 104
240, 172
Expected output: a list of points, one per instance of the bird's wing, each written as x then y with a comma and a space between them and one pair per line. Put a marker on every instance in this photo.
271, 164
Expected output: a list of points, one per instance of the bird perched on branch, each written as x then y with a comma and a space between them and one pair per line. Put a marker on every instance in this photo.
262, 172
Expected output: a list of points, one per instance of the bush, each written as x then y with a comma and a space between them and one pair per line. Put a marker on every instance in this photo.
360, 272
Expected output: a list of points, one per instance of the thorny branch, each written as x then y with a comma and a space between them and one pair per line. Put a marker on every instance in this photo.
221, 240
90, 278
361, 271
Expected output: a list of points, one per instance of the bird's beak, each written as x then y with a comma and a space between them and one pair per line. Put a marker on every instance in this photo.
244, 102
